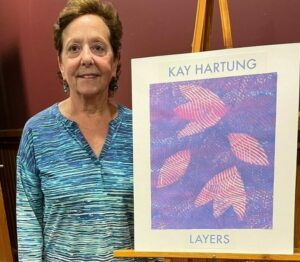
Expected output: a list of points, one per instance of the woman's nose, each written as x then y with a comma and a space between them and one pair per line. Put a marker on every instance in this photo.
86, 57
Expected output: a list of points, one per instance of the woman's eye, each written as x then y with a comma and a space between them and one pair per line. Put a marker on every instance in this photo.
98, 49
73, 49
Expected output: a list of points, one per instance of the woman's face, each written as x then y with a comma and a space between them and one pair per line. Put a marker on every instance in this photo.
87, 61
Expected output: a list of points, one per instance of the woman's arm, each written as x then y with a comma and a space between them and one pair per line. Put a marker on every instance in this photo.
29, 203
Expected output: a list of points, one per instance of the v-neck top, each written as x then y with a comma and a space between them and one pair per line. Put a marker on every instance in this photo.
71, 204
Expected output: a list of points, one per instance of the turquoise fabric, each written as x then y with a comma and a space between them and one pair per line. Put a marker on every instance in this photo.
71, 205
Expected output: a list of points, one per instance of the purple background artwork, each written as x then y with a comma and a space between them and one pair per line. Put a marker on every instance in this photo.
212, 153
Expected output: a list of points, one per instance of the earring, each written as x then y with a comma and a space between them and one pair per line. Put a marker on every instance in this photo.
113, 85
65, 86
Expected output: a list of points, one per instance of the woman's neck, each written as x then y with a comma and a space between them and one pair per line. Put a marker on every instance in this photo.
77, 109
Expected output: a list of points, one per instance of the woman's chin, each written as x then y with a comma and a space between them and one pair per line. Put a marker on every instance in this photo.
90, 91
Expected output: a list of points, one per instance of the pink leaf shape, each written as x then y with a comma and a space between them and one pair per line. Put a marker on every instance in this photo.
204, 109
248, 149
173, 168
224, 189
196, 127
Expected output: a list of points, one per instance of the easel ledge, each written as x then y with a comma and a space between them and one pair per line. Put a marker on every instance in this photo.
126, 253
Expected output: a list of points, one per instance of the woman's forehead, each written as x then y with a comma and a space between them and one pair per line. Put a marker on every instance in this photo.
87, 26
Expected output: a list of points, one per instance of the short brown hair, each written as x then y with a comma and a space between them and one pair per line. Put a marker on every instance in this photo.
105, 10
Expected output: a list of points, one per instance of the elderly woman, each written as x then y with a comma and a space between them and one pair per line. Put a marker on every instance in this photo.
74, 165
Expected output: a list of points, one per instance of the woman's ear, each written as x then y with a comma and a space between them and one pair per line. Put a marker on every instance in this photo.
115, 66
61, 67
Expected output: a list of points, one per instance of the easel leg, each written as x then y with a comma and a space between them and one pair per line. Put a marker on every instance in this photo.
199, 26
225, 23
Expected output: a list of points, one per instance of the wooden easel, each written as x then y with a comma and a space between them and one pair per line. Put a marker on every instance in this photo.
201, 41
5, 250
203, 25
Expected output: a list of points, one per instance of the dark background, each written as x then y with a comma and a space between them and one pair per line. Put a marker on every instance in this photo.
28, 63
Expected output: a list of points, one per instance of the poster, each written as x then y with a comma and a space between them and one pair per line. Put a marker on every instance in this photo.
215, 145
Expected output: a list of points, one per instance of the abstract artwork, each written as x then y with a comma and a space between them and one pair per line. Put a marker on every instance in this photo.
212, 152
215, 150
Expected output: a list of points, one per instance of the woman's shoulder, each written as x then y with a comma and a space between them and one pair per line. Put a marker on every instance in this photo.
42, 118
123, 110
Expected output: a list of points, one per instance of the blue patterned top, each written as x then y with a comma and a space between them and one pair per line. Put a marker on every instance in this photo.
72, 205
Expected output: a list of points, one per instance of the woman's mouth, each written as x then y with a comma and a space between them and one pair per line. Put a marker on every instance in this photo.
88, 76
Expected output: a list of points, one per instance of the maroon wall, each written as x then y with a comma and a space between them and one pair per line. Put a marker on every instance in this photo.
28, 81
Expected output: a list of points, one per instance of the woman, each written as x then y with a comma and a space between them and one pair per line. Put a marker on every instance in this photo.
74, 165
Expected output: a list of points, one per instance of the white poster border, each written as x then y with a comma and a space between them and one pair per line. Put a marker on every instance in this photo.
283, 59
